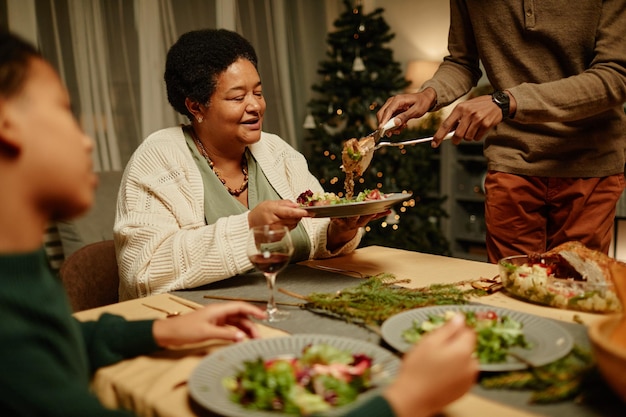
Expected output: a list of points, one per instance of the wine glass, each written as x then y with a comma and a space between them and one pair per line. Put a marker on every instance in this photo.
270, 249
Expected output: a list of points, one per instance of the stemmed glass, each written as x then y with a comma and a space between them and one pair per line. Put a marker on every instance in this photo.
270, 249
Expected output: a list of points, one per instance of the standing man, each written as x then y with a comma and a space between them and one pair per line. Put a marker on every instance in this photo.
554, 130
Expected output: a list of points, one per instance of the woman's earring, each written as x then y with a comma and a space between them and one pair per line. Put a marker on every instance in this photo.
200, 119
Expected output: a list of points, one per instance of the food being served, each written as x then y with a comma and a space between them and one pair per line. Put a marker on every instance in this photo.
309, 198
322, 378
495, 334
570, 276
356, 156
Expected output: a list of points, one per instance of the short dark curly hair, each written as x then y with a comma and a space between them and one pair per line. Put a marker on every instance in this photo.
196, 60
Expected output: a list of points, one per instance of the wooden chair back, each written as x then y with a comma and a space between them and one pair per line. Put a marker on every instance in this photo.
90, 276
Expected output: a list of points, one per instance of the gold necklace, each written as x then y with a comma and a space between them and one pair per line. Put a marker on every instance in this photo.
244, 167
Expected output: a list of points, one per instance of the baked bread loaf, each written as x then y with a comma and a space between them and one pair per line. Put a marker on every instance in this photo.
575, 260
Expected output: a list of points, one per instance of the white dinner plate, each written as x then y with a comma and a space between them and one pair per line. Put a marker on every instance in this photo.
548, 340
205, 383
360, 208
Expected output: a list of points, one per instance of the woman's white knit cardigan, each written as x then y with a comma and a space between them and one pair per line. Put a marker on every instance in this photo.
161, 240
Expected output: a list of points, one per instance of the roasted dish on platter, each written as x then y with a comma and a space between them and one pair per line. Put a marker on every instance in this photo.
570, 276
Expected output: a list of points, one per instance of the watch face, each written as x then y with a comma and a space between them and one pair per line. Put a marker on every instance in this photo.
502, 100
501, 97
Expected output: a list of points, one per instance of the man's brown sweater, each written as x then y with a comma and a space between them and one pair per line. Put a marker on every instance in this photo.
565, 65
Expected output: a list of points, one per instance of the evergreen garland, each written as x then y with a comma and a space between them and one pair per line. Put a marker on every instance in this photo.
377, 298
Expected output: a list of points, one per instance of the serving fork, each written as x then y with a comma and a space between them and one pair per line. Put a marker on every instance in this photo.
408, 142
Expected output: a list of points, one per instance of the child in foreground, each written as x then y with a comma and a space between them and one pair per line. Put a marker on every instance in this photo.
48, 357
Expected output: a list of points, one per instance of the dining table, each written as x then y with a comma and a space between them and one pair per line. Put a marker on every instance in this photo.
157, 384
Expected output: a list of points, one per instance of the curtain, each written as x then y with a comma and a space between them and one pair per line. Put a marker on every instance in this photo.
93, 45
259, 23
94, 81
159, 24
111, 56
157, 29
306, 49
289, 37
19, 17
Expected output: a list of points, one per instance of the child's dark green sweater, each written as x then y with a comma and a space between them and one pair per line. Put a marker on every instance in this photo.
46, 356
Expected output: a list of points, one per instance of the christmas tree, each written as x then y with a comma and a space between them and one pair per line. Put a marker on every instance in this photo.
357, 78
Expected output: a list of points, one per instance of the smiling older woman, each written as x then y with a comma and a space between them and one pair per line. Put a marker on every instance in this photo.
190, 193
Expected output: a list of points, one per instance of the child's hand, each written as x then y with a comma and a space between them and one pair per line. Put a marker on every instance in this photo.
226, 321
438, 370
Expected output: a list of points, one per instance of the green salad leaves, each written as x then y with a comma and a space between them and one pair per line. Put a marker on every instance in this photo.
495, 335
309, 198
323, 377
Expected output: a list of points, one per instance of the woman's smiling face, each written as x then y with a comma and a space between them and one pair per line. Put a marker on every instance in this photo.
235, 110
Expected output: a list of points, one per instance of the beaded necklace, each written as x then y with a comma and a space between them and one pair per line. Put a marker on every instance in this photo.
244, 167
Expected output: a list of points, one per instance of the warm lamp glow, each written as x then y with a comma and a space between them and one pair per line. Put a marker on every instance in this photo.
419, 71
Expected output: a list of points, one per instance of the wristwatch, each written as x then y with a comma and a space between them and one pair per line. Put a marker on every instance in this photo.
502, 100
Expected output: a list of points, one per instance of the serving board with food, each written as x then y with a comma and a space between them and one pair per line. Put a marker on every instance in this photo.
570, 276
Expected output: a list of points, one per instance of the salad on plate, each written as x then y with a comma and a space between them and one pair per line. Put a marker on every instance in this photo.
496, 335
311, 199
321, 378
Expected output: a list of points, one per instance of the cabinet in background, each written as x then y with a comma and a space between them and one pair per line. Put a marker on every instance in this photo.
463, 170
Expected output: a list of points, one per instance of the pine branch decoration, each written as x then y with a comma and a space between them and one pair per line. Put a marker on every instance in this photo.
379, 297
